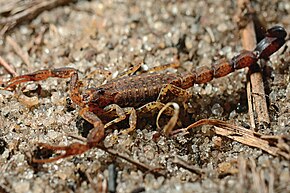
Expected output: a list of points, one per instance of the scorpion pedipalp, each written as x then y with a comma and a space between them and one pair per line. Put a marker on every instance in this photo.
72, 149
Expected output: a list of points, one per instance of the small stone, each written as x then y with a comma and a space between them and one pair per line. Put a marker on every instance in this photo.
284, 120
288, 92
193, 187
233, 114
284, 176
222, 27
208, 89
21, 186
56, 98
217, 109
28, 101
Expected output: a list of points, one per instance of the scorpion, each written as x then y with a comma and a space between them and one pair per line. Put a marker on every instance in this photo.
128, 95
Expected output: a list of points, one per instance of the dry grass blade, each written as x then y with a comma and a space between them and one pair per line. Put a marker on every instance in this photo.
20, 52
274, 145
242, 167
255, 177
167, 129
20, 12
7, 67
254, 139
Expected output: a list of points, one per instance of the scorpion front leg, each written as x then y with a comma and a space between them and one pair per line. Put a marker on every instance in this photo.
121, 113
93, 139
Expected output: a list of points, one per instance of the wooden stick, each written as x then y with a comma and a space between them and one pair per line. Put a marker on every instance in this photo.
255, 88
180, 162
140, 166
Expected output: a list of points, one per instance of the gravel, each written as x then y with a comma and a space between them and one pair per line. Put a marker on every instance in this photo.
112, 36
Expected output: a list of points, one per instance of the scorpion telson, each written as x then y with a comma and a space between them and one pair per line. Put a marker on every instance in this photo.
130, 95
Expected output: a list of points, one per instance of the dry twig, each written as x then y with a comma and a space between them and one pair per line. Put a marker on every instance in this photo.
274, 145
178, 161
9, 69
140, 166
26, 12
255, 88
17, 49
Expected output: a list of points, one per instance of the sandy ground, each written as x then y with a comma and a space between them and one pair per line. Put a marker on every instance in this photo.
112, 36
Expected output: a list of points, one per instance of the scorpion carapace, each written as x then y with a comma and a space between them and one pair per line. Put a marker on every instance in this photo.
129, 95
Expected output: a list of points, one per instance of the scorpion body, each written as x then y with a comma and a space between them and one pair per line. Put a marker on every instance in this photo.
126, 94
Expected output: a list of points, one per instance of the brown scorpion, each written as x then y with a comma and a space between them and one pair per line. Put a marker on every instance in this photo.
129, 95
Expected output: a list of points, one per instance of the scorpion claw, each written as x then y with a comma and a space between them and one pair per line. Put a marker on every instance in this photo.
70, 150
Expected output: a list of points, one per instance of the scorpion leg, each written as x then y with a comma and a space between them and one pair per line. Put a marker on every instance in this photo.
133, 70
173, 120
162, 108
99, 72
163, 67
152, 106
132, 120
93, 138
174, 64
177, 91
180, 93
121, 113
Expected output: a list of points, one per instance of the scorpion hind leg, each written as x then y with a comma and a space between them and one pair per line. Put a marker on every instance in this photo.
164, 67
167, 129
153, 107
163, 109
131, 70
135, 68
